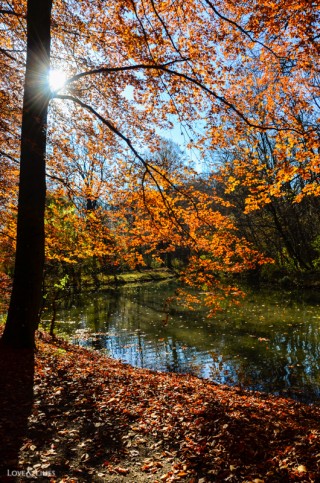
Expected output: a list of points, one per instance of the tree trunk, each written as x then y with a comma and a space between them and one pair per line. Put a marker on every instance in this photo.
25, 303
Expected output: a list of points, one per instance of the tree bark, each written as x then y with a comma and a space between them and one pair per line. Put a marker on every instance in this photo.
25, 303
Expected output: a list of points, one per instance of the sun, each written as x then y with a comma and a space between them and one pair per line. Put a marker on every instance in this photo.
57, 79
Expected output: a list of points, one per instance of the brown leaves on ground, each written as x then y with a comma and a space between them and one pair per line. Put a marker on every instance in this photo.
97, 419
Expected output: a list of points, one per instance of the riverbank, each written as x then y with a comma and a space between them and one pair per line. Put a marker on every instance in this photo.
95, 418
133, 277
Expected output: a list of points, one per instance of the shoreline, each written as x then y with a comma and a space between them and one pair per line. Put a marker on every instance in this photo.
98, 418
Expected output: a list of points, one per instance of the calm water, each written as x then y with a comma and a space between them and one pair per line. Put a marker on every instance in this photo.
270, 343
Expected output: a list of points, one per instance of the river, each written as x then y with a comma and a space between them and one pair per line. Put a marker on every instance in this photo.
270, 343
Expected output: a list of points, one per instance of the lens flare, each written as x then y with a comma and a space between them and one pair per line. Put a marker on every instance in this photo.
57, 79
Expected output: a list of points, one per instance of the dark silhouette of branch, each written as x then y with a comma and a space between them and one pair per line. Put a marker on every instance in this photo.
239, 27
221, 99
6, 53
147, 166
165, 28
7, 155
110, 70
102, 119
3, 11
145, 35
193, 80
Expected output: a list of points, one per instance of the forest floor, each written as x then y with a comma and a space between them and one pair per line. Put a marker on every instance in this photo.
81, 417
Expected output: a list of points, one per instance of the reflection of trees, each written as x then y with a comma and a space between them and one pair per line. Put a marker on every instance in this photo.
90, 311
174, 362
288, 363
151, 297
171, 357
226, 349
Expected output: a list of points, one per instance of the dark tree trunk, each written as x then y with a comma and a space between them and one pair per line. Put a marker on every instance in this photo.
25, 303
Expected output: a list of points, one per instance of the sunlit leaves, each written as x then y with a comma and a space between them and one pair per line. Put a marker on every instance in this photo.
242, 84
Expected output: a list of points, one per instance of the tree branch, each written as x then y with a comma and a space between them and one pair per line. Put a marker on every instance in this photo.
110, 70
165, 28
6, 155
148, 168
51, 176
242, 30
193, 80
6, 53
3, 11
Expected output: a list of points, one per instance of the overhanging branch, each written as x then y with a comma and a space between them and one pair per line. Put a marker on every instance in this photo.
148, 168
110, 70
7, 155
4, 11
239, 27
192, 80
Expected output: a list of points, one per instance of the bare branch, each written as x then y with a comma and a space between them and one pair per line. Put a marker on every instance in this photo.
152, 57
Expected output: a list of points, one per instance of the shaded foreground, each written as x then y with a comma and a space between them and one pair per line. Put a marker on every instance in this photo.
96, 419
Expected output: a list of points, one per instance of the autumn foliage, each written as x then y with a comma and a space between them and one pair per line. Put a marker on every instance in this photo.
242, 81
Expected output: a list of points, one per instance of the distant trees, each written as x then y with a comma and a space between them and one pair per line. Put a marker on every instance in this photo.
273, 191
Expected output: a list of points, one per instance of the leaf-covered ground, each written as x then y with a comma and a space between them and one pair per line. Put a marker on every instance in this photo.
92, 418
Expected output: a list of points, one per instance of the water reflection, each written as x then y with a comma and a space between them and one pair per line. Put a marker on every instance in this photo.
270, 343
